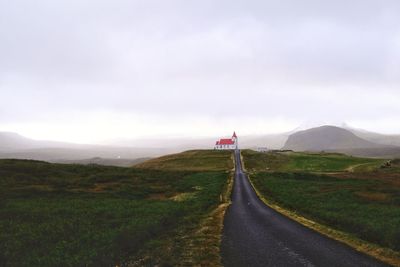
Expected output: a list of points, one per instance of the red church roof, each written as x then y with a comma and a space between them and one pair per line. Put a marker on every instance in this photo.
226, 142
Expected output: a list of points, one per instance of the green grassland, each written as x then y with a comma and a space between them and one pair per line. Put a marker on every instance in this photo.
350, 194
76, 215
193, 160
306, 162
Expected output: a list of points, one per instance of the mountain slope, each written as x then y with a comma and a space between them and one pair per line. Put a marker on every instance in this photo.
10, 141
335, 139
326, 138
273, 141
13, 145
383, 139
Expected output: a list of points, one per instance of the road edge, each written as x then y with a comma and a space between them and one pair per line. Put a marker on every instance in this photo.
385, 255
210, 230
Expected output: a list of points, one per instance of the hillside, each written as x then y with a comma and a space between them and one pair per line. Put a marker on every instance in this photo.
306, 162
326, 138
335, 139
10, 141
273, 141
193, 160
91, 215
354, 195
60, 155
118, 162
13, 145
16, 146
383, 139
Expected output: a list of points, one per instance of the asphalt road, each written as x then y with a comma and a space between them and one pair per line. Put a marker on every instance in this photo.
256, 235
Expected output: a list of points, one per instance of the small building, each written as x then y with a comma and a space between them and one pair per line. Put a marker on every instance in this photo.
229, 143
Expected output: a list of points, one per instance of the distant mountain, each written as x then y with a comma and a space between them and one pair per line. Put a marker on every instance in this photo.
326, 138
12, 141
123, 152
60, 155
13, 145
336, 139
383, 139
273, 141
379, 152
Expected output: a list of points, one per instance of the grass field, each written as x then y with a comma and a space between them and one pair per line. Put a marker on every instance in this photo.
193, 160
75, 215
307, 162
350, 194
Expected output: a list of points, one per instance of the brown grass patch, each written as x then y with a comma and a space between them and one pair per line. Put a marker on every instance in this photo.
197, 246
203, 246
97, 188
329, 189
38, 187
392, 178
183, 196
373, 196
157, 196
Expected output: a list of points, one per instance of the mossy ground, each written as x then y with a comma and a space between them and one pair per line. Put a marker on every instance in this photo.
339, 192
75, 215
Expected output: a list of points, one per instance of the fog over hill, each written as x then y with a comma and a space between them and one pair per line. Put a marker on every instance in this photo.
326, 138
122, 152
13, 141
13, 145
118, 152
376, 137
273, 141
332, 138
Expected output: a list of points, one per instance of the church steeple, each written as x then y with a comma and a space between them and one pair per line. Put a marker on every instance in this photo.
235, 139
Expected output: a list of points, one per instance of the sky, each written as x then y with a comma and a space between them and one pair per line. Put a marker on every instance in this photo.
93, 70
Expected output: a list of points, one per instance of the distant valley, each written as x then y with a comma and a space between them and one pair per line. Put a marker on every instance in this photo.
126, 152
13, 145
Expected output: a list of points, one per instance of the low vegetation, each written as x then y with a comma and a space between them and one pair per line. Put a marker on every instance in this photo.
193, 160
76, 215
354, 195
306, 162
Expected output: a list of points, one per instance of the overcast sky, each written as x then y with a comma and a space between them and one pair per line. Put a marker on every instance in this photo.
87, 71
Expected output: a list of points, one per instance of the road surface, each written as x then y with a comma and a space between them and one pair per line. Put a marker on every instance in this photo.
256, 235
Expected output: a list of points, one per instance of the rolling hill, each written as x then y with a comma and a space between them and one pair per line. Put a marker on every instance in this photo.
119, 162
326, 138
378, 138
117, 152
13, 145
332, 138
273, 141
91, 215
10, 141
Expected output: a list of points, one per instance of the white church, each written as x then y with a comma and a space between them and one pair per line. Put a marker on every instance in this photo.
231, 143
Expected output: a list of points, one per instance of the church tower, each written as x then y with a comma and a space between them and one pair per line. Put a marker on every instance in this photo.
235, 140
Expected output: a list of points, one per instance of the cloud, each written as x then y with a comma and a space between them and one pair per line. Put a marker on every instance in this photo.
218, 61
